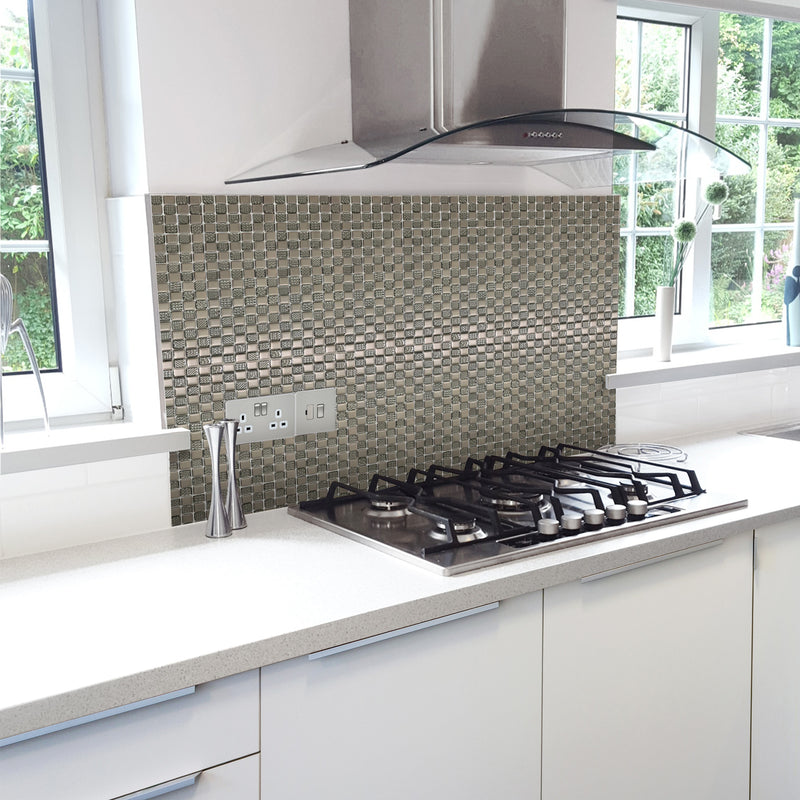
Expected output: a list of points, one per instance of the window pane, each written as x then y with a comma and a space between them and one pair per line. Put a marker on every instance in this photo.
784, 98
653, 257
30, 283
741, 45
15, 50
663, 58
21, 204
627, 32
777, 256
656, 205
731, 278
783, 173
740, 207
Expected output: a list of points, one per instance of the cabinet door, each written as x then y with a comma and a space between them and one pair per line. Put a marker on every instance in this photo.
646, 685
776, 663
452, 711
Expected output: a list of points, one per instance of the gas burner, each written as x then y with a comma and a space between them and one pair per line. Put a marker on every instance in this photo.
515, 503
631, 493
465, 530
647, 452
504, 505
387, 508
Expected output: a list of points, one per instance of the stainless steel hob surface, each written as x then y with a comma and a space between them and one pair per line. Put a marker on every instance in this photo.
502, 508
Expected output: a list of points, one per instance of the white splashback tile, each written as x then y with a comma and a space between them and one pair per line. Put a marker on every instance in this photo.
42, 481
659, 412
126, 469
793, 394
647, 394
55, 508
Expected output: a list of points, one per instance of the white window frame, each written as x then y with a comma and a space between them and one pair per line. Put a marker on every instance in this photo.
691, 325
70, 87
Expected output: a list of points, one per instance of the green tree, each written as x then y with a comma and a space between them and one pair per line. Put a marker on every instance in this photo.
784, 83
741, 45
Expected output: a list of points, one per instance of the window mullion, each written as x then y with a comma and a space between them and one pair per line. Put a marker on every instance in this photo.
761, 191
636, 93
701, 116
24, 246
633, 194
17, 74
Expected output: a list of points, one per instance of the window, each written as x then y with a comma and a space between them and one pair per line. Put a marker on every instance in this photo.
735, 273
758, 115
25, 252
652, 71
61, 255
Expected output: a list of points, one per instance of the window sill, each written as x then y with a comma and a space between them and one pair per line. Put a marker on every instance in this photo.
702, 361
83, 444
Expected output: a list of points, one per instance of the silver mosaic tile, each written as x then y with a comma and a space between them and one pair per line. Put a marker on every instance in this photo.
450, 326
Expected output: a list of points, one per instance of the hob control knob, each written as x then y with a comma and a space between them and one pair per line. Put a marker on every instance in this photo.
637, 509
572, 523
616, 513
548, 528
593, 519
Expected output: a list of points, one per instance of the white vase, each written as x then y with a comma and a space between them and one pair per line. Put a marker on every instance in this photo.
665, 312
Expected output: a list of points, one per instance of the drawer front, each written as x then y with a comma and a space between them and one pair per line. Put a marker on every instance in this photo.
119, 755
237, 780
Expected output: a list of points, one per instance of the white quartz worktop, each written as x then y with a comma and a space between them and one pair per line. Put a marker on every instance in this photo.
93, 627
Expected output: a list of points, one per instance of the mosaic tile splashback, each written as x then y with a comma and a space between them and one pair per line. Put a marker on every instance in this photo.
450, 326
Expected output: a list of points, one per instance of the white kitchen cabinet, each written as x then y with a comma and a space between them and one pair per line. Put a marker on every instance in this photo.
646, 684
451, 711
776, 663
161, 744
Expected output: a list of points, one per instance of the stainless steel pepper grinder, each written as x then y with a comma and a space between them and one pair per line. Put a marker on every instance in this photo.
233, 501
218, 525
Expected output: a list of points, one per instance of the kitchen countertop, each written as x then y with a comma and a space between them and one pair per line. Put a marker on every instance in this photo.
93, 627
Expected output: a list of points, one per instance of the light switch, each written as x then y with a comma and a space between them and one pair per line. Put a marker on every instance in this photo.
316, 411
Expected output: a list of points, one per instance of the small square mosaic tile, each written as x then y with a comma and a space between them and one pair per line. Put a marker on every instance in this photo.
449, 326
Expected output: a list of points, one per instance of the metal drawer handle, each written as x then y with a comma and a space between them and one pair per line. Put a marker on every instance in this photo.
401, 631
629, 567
163, 788
111, 712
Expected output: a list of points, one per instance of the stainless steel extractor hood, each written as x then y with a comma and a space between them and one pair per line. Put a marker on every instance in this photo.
481, 82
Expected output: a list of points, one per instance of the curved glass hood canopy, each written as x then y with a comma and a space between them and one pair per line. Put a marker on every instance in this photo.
463, 81
574, 146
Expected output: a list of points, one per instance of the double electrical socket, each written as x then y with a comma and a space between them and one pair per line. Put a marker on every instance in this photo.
277, 416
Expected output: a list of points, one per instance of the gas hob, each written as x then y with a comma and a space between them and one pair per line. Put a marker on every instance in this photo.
502, 508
